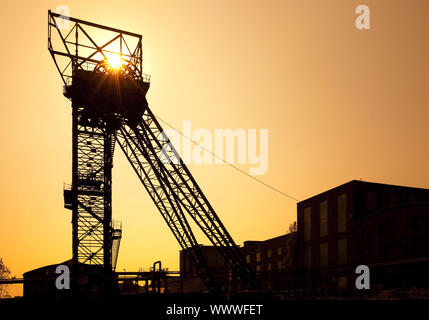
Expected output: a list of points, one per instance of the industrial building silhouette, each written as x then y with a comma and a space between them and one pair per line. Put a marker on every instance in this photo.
385, 227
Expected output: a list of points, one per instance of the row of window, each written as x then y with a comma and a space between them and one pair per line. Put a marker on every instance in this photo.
269, 255
324, 254
279, 266
341, 217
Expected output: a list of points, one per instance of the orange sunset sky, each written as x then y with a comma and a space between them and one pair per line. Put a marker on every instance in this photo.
339, 104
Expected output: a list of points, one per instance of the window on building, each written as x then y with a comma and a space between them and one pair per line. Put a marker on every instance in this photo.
269, 253
324, 218
342, 251
307, 223
279, 251
258, 257
307, 258
371, 201
248, 258
324, 254
269, 267
279, 265
342, 212
258, 268
342, 282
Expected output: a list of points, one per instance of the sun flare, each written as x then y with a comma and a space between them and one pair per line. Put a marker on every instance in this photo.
114, 60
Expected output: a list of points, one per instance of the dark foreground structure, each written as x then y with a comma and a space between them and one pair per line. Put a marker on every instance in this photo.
384, 227
40, 283
102, 71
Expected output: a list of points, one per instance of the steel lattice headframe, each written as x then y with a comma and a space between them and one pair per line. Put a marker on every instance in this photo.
109, 105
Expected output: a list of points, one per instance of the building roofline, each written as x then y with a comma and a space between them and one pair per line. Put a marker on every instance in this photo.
261, 241
363, 182
67, 262
283, 235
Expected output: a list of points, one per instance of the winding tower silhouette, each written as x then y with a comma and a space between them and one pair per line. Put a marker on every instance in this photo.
102, 74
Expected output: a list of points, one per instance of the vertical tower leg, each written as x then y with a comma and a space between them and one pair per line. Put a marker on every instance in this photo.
107, 219
74, 192
91, 198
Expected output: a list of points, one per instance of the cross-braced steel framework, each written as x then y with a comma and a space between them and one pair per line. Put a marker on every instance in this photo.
109, 105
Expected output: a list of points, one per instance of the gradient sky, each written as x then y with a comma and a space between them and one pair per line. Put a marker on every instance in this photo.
339, 103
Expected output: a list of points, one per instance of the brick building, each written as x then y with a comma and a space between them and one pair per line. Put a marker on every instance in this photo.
383, 226
191, 282
271, 259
